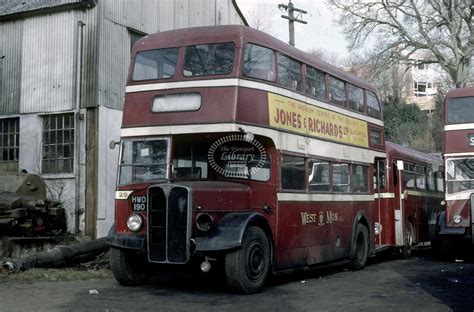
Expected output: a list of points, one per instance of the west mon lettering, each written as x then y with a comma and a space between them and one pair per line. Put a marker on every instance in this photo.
320, 218
308, 218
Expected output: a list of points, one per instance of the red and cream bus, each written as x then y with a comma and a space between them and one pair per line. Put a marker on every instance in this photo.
458, 152
240, 149
409, 198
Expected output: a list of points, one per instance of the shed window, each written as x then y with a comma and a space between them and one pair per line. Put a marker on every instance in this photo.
9, 144
58, 143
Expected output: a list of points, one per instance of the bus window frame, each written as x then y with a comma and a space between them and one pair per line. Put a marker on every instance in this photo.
235, 60
176, 71
280, 172
344, 82
352, 186
308, 169
242, 63
277, 81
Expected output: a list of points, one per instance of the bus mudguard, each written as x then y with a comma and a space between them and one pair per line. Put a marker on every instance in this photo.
361, 218
444, 230
229, 231
127, 241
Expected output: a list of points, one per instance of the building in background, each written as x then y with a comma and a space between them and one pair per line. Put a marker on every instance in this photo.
63, 69
423, 82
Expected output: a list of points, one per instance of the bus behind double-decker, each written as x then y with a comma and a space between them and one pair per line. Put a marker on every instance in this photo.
241, 150
456, 223
409, 195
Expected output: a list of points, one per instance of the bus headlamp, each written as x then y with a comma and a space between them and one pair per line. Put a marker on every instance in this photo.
135, 222
204, 222
378, 228
457, 219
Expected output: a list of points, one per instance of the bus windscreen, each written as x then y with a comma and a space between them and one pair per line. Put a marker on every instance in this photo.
461, 110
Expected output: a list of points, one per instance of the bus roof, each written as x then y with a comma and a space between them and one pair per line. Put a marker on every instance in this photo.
405, 153
242, 34
461, 92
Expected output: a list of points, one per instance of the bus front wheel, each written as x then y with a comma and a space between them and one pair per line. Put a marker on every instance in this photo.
129, 269
361, 248
247, 268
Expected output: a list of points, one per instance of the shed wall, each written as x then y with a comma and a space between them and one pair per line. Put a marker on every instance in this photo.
11, 35
47, 83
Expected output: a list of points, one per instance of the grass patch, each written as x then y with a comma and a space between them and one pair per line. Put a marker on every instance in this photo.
55, 275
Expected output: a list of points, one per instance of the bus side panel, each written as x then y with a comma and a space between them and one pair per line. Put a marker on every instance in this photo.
137, 109
457, 141
341, 215
303, 235
316, 232
387, 220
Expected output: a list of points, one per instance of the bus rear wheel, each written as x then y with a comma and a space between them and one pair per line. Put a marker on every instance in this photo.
361, 248
409, 240
129, 269
247, 268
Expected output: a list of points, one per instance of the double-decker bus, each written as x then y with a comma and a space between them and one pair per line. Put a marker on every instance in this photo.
456, 223
239, 149
409, 193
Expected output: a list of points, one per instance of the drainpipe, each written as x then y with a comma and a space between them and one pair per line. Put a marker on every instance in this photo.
77, 128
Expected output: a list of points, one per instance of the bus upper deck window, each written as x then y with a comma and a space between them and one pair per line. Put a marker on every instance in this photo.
355, 98
337, 92
373, 105
259, 62
315, 85
460, 110
155, 64
209, 59
289, 73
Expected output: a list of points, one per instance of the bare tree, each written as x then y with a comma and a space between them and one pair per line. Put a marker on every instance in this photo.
260, 18
389, 77
402, 27
327, 56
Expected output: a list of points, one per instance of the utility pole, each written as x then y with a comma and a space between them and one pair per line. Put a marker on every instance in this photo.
292, 18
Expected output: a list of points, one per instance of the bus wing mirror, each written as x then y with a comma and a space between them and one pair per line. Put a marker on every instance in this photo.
400, 165
112, 144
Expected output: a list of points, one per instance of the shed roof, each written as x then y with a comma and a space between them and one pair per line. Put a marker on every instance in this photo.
17, 8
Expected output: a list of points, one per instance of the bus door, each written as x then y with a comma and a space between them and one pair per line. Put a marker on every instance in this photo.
380, 197
399, 202
472, 218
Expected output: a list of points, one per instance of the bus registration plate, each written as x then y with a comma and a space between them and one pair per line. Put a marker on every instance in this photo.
139, 202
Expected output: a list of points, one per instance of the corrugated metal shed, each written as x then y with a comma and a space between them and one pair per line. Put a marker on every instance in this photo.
10, 67
38, 66
15, 7
48, 63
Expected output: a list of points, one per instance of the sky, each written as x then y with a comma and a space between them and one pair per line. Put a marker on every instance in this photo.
321, 32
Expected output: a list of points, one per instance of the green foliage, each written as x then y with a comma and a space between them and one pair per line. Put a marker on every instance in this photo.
407, 125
